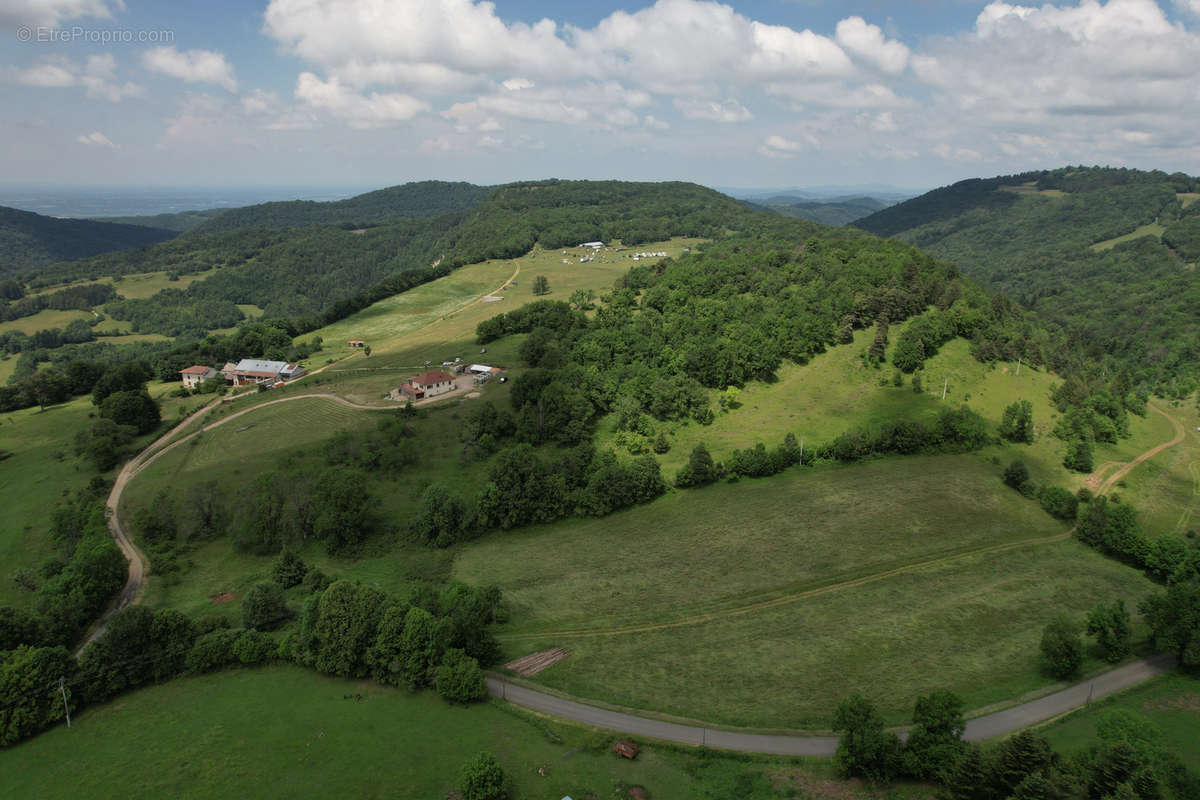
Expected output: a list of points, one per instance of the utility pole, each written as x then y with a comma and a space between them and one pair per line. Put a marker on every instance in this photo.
801, 451
62, 688
1018, 366
944, 385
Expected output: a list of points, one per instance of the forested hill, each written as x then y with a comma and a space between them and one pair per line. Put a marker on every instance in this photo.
1106, 255
322, 272
840, 211
411, 200
29, 241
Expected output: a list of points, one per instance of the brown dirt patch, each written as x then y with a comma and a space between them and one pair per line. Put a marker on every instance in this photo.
536, 662
1184, 702
222, 598
811, 786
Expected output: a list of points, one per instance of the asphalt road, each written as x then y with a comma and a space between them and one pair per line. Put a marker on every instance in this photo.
985, 727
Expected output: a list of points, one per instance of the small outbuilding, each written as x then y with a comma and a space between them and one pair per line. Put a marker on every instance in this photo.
593, 245
356, 343
196, 375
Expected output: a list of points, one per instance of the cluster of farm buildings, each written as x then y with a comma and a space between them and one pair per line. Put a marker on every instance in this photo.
247, 372
438, 381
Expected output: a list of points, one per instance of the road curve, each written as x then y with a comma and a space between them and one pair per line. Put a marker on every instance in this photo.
985, 727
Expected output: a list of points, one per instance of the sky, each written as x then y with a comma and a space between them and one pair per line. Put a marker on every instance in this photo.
751, 93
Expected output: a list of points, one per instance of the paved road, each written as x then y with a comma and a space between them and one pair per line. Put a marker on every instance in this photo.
986, 727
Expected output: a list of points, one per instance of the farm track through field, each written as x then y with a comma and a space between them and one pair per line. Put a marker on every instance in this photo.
786, 599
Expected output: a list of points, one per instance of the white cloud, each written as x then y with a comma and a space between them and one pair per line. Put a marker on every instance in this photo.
654, 123
96, 139
713, 111
193, 66
51, 13
868, 42
98, 75
361, 111
775, 146
1189, 6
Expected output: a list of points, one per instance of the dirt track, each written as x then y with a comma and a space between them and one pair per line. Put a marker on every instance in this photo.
132, 593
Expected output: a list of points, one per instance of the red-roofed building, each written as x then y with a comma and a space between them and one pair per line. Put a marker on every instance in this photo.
430, 384
194, 376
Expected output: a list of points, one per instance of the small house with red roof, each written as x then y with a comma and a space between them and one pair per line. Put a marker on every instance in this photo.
429, 384
194, 376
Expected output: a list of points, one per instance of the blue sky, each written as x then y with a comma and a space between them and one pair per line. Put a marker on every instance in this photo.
763, 93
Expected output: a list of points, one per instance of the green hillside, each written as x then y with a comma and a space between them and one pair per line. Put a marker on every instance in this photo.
180, 222
841, 211
29, 242
322, 272
411, 200
1103, 257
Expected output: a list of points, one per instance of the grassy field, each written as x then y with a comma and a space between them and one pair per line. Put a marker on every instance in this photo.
235, 734
289, 435
42, 469
1187, 198
1166, 489
43, 320
726, 546
1170, 703
436, 322
835, 392
971, 625
146, 284
1149, 229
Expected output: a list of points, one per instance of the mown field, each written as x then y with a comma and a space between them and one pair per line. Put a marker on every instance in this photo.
1171, 704
730, 545
43, 320
970, 624
288, 732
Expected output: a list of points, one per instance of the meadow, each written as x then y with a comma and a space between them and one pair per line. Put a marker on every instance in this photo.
43, 320
234, 734
1150, 229
969, 624
41, 470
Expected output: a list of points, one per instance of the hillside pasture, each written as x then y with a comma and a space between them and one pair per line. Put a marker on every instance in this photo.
970, 625
436, 321
731, 545
1150, 229
1166, 488
44, 320
234, 733
1187, 198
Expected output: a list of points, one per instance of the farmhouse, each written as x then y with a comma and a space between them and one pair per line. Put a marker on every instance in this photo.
356, 343
430, 384
250, 371
194, 376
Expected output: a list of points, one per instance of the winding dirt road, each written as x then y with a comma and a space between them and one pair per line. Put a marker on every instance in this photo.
132, 593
